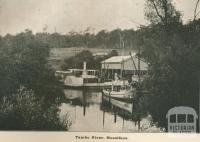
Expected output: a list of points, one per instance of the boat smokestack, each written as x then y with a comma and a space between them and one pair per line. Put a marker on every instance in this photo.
84, 69
84, 65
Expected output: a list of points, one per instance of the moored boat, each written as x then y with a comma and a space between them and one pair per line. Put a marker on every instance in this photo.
81, 77
120, 90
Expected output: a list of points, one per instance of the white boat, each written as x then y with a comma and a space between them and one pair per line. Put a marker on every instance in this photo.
80, 77
119, 89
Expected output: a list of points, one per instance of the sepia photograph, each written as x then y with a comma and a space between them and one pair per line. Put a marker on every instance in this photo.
109, 66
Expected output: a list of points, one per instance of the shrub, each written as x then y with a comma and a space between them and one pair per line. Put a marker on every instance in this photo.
23, 111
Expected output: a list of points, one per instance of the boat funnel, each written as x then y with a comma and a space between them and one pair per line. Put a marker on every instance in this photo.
84, 68
84, 65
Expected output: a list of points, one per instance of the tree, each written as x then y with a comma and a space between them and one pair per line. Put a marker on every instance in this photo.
77, 60
25, 112
102, 38
161, 11
174, 65
196, 13
24, 63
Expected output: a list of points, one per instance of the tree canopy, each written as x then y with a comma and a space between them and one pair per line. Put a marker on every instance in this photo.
23, 64
172, 49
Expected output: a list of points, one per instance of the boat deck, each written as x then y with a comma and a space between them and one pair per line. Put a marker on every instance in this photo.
95, 85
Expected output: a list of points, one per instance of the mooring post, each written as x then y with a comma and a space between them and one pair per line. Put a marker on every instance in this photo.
115, 115
138, 125
138, 119
123, 117
109, 99
84, 110
103, 118
102, 96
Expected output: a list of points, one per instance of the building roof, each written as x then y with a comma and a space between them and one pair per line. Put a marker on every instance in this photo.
116, 59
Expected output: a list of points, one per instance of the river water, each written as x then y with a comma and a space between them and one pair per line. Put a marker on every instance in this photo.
88, 112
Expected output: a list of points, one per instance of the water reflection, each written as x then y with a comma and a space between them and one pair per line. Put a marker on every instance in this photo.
89, 112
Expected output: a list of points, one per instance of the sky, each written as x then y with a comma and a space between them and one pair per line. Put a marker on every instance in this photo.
64, 16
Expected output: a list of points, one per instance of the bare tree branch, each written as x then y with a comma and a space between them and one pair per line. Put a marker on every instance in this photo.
164, 4
197, 13
195, 10
157, 12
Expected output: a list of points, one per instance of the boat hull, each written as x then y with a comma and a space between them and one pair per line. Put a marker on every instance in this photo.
126, 106
125, 96
73, 81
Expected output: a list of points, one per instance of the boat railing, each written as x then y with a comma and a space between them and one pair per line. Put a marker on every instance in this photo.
78, 72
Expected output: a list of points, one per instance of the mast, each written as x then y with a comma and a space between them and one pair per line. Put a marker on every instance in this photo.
139, 85
138, 88
133, 62
139, 75
122, 47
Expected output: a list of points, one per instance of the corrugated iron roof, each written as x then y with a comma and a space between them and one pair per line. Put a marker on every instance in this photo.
121, 59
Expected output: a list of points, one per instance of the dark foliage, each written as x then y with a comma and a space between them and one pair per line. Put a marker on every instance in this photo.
172, 49
26, 112
24, 63
92, 62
